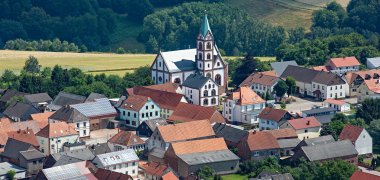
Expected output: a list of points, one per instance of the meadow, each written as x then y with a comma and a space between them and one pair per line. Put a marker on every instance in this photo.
89, 62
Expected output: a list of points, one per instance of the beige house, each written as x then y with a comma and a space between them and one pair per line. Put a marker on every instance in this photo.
308, 127
55, 135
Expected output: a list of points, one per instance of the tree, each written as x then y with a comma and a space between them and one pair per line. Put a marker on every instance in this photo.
248, 65
205, 172
11, 174
152, 45
8, 76
369, 110
120, 50
291, 83
280, 88
32, 65
283, 105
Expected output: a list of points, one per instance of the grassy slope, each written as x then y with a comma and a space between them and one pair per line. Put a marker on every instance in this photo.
14, 60
286, 13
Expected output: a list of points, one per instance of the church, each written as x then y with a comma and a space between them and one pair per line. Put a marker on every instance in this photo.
204, 60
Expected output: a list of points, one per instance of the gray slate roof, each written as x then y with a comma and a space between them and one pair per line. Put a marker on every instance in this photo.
102, 148
99, 107
69, 115
329, 151
13, 148
9, 94
375, 61
32, 154
195, 81
288, 143
229, 133
319, 140
307, 75
324, 119
20, 110
6, 166
64, 98
38, 98
63, 158
93, 96
153, 123
117, 157
320, 110
279, 67
208, 157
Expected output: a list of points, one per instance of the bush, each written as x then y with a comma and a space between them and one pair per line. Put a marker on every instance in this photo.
120, 50
42, 45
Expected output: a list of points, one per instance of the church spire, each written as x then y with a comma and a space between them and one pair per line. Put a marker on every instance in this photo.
205, 26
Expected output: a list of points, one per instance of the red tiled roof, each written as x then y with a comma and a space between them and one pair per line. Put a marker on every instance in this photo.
351, 133
186, 131
245, 96
343, 62
358, 175
134, 102
58, 129
189, 112
321, 68
26, 136
269, 113
304, 123
261, 140
154, 168
169, 176
166, 100
284, 133
268, 78
336, 102
42, 118
168, 87
111, 175
198, 146
126, 138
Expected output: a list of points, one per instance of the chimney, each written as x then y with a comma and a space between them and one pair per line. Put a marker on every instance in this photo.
308, 123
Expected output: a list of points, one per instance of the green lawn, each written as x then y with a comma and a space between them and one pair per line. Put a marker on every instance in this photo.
111, 63
234, 177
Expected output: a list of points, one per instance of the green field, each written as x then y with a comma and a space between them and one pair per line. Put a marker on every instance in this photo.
100, 62
286, 13
234, 177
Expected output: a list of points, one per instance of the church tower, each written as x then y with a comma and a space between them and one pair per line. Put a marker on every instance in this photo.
205, 49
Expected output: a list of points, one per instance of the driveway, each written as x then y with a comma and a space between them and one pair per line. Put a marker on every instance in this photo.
302, 104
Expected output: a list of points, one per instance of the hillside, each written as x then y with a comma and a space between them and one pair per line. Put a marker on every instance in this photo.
286, 13
107, 63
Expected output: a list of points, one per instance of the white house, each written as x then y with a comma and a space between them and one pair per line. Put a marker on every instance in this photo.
200, 90
136, 109
314, 83
243, 106
176, 66
343, 65
125, 162
53, 136
359, 137
340, 105
308, 127
261, 82
373, 63
271, 118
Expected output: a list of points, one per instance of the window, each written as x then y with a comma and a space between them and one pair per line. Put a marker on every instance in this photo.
213, 92
336, 87
313, 85
123, 113
160, 79
134, 123
209, 86
200, 56
177, 80
134, 115
340, 86
213, 101
142, 115
133, 164
84, 132
77, 125
129, 114
146, 107
200, 46
159, 64
218, 79
152, 106
205, 93
147, 114
208, 45
331, 88
218, 63
208, 56
205, 102
306, 130
84, 124
151, 114
128, 122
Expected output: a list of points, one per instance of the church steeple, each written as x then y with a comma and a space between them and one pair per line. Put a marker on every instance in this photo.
205, 26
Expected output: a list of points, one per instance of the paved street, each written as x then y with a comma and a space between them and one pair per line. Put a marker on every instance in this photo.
307, 103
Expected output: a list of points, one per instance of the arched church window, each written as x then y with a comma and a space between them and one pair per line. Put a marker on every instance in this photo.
208, 56
177, 80
213, 101
205, 93
213, 92
208, 75
205, 102
200, 56
218, 79
160, 79
209, 86
208, 45
218, 63
200, 46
